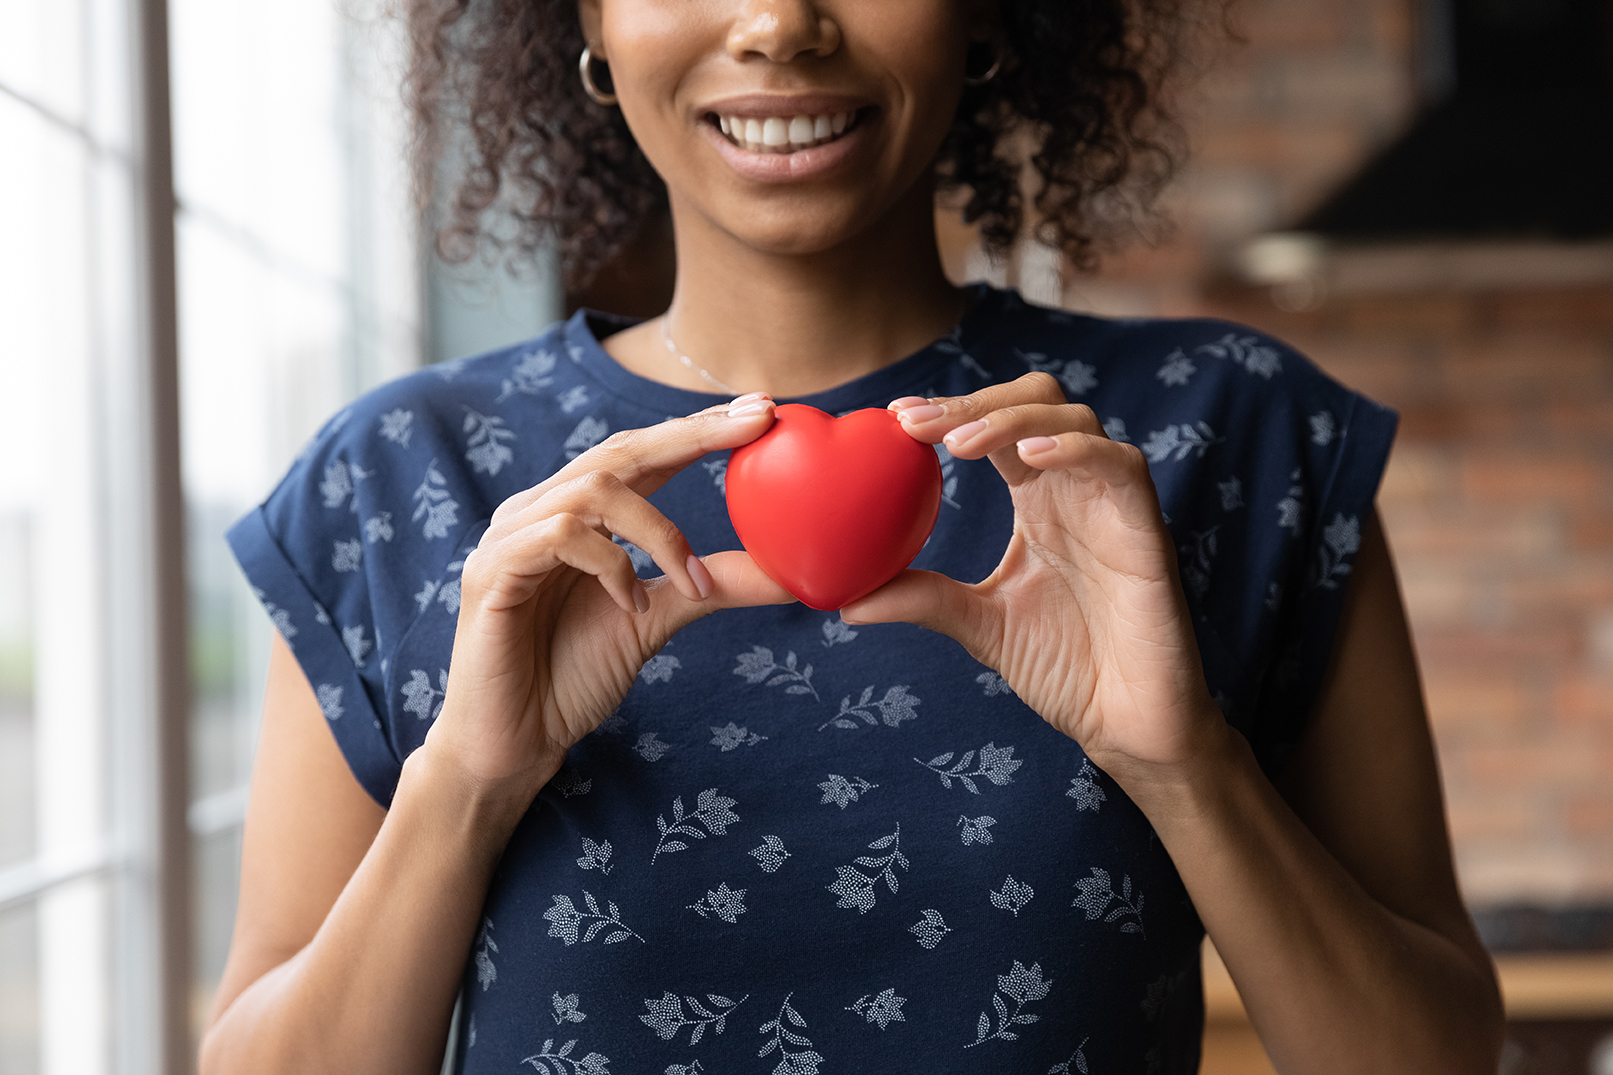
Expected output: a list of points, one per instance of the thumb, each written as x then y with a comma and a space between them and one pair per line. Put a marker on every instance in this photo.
931, 600
736, 583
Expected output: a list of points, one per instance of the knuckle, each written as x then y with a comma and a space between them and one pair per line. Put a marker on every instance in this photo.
1043, 384
564, 527
1084, 417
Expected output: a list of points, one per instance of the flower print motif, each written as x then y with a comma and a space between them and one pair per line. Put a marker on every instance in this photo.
1077, 1063
321, 617
758, 665
1341, 539
1098, 898
340, 479
347, 555
802, 1061
840, 791
667, 1019
1020, 985
771, 855
329, 697
378, 528
1196, 552
883, 1008
472, 1031
421, 698
564, 918
733, 736
573, 399
836, 630
434, 505
530, 375
659, 669
589, 432
992, 684
724, 902
1291, 508
895, 707
1115, 430
565, 1009
949, 480
595, 856
486, 451
397, 426
855, 888
712, 811
448, 369
569, 782
486, 973
448, 594
280, 617
1231, 493
563, 1063
929, 929
691, 1068
1078, 378
642, 561
358, 647
1177, 370
1322, 429
1013, 896
428, 590
613, 724
1084, 788
1247, 352
717, 469
1182, 440
976, 830
650, 748
996, 764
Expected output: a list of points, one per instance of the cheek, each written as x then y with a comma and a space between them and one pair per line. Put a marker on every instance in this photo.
653, 46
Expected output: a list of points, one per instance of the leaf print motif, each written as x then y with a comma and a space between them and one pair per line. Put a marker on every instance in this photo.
1182, 440
803, 1060
329, 697
976, 830
569, 782
595, 856
1023, 987
884, 1008
895, 707
718, 470
1341, 539
378, 528
992, 684
1076, 1063
840, 791
733, 736
1231, 494
1013, 896
1077, 377
1247, 352
589, 432
855, 888
949, 480
1291, 508
691, 1068
421, 699
280, 617
836, 630
771, 855
565, 1009
397, 426
929, 929
1322, 429
659, 669
1084, 788
486, 973
448, 369
667, 1019
563, 1063
758, 665
485, 450
1115, 430
1099, 899
724, 902
434, 505
711, 811
347, 555
338, 484
358, 647
996, 764
650, 748
573, 399
1177, 370
530, 375
564, 918
428, 590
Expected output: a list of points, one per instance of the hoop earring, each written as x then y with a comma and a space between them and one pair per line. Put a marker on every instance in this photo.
585, 68
991, 72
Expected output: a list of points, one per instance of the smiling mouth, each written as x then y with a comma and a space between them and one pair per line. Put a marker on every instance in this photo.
784, 134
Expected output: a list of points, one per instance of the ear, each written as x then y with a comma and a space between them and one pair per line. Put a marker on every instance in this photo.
592, 20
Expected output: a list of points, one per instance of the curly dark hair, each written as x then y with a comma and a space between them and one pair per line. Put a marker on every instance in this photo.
1081, 97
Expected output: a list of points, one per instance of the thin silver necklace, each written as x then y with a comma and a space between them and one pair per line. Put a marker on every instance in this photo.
689, 363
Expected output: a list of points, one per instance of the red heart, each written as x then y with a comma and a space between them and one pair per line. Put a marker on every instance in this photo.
833, 508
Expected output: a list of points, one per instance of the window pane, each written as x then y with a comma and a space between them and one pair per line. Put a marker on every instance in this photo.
19, 990
17, 818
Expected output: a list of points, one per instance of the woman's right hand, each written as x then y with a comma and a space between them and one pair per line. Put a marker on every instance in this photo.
553, 623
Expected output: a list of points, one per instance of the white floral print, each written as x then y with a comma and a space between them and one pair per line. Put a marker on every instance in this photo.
379, 528
949, 479
358, 647
1099, 899
531, 374
347, 555
547, 1062
857, 889
1115, 430
329, 697
836, 630
770, 855
1013, 896
1022, 986
434, 505
733, 736
722, 902
1177, 370
666, 1016
840, 791
1323, 428
569, 782
650, 748
992, 684
996, 764
573, 399
1245, 351
595, 856
340, 479
397, 426
565, 1009
642, 561
659, 669
486, 972
1341, 539
589, 432
712, 812
1231, 492
564, 919
800, 1061
718, 470
976, 830
1181, 440
883, 1008
421, 698
758, 665
930, 928
693, 1067
896, 706
1084, 788
1077, 1063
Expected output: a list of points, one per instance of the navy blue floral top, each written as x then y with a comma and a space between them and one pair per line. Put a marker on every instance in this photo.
801, 847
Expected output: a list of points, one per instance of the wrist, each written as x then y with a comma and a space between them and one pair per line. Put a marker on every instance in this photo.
482, 811
1193, 783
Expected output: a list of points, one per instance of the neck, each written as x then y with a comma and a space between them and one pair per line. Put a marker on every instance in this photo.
793, 324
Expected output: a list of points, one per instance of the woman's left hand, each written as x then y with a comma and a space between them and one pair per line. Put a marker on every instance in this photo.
1084, 617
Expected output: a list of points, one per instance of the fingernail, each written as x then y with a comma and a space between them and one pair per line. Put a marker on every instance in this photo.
924, 413
702, 578
749, 396
965, 431
641, 597
905, 402
1034, 445
746, 410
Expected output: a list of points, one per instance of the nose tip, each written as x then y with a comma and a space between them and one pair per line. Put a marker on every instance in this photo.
783, 31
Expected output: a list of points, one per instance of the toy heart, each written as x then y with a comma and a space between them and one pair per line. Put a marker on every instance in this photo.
833, 508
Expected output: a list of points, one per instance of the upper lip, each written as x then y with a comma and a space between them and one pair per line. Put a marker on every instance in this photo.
764, 105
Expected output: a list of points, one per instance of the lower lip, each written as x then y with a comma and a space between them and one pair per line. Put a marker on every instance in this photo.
811, 163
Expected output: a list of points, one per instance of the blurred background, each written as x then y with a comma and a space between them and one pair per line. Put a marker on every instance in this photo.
207, 246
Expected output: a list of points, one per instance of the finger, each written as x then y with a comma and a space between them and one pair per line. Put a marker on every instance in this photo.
958, 610
933, 419
736, 583
644, 459
506, 573
1123, 467
996, 434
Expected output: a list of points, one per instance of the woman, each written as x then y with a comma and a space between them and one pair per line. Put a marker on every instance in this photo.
682, 824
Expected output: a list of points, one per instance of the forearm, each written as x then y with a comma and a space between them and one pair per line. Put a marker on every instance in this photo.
1333, 981
374, 990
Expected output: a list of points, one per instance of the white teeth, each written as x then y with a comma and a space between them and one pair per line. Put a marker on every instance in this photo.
801, 131
839, 122
774, 132
784, 134
822, 128
724, 121
753, 132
